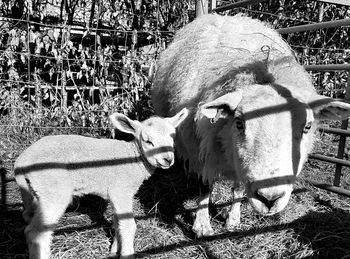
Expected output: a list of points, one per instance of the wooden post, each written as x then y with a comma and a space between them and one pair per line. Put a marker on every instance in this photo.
64, 103
320, 12
201, 7
133, 44
342, 140
38, 95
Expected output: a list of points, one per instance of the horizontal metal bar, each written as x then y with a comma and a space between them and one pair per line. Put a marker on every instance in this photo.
330, 159
337, 131
236, 5
330, 187
340, 2
327, 67
78, 27
315, 26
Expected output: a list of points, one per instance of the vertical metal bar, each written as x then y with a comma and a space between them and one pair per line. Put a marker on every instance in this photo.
64, 31
342, 140
97, 34
28, 46
201, 7
212, 5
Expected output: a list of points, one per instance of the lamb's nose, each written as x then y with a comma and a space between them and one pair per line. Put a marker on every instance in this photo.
269, 199
168, 161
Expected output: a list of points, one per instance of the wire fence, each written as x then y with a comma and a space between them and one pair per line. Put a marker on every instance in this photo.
63, 70
68, 74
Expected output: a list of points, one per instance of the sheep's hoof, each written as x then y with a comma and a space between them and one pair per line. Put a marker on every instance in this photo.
114, 248
232, 224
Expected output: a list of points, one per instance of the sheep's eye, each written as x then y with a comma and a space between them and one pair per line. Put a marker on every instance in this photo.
239, 124
307, 127
150, 143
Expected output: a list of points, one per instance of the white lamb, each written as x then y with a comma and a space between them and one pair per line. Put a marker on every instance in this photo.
56, 168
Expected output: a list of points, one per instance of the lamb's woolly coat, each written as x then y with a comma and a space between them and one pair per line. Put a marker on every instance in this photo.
86, 157
210, 57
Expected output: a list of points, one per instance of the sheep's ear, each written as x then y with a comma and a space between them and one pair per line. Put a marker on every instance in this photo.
124, 124
325, 108
177, 119
222, 106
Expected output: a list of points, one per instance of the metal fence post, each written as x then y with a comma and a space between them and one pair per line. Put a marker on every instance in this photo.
212, 5
342, 140
201, 7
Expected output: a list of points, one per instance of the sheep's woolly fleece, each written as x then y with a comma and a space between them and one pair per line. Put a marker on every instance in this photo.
215, 55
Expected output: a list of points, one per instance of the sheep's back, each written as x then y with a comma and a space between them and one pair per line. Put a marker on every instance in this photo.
207, 49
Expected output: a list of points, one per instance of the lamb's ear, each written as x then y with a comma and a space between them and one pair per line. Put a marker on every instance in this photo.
222, 106
124, 124
325, 108
177, 119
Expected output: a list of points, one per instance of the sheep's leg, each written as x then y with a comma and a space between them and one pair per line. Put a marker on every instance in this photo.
124, 226
41, 226
234, 215
201, 225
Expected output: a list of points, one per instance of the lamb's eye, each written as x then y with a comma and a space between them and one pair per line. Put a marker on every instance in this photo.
239, 124
307, 127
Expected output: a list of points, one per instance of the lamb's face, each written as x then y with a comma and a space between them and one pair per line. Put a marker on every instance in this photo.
156, 142
154, 136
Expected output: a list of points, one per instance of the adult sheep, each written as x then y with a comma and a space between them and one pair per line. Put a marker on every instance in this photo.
253, 110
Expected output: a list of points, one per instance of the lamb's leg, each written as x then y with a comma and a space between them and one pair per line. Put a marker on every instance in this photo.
124, 226
234, 215
39, 231
201, 225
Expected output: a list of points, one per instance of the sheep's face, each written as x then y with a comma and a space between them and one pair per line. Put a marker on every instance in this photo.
154, 136
266, 144
265, 139
156, 141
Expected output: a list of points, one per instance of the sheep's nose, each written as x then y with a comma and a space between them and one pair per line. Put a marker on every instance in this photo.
268, 198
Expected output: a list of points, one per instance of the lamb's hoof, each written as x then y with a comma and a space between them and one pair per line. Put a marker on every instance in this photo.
202, 230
